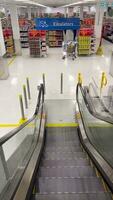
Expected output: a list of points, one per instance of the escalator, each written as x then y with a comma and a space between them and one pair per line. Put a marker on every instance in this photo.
62, 163
65, 171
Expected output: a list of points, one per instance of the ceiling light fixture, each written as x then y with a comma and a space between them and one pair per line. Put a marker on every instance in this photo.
79, 2
34, 3
31, 2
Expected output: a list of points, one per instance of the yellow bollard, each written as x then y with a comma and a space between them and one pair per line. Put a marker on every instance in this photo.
103, 81
23, 119
80, 78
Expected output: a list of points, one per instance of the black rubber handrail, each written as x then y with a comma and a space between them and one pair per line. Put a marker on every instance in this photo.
91, 110
105, 168
17, 130
100, 100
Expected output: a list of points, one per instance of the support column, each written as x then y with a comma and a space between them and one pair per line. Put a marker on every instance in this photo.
29, 13
65, 12
98, 22
4, 73
81, 12
69, 33
15, 28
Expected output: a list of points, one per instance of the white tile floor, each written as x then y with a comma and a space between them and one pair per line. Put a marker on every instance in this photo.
24, 66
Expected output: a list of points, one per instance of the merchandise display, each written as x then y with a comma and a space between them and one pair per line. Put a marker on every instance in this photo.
24, 25
8, 36
108, 29
37, 43
86, 38
55, 38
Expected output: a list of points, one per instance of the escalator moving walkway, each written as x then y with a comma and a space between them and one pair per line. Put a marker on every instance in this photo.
65, 172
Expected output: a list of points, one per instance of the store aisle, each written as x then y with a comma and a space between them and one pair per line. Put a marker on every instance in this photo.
52, 66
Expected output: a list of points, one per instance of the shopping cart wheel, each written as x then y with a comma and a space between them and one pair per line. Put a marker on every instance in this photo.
63, 57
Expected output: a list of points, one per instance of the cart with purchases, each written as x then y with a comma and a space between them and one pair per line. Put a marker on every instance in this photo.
69, 49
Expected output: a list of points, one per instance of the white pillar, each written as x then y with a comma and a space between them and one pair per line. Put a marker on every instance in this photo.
98, 22
65, 12
81, 12
69, 33
70, 11
15, 28
29, 13
4, 73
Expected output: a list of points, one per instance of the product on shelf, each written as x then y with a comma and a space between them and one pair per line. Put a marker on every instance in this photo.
37, 43
8, 36
108, 29
25, 25
86, 41
55, 38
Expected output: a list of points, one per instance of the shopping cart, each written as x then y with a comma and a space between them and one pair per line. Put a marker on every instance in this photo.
69, 49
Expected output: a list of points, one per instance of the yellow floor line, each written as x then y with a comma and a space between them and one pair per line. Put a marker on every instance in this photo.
9, 125
62, 125
12, 60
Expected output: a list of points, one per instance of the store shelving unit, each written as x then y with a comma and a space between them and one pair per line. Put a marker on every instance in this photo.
86, 42
108, 30
37, 43
55, 38
86, 37
8, 36
25, 26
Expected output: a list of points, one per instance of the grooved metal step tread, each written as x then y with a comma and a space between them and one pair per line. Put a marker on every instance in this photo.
75, 172
61, 130
62, 147
64, 163
64, 155
62, 137
69, 185
65, 150
61, 144
95, 196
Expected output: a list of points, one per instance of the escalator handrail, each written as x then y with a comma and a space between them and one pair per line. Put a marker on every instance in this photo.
101, 102
12, 133
102, 165
92, 111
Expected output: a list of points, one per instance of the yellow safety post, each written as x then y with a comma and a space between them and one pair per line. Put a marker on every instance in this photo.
23, 119
103, 81
100, 51
80, 78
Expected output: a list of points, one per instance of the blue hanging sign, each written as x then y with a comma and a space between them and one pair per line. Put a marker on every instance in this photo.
57, 24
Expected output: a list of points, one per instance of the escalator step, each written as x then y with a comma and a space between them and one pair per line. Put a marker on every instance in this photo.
64, 163
61, 130
61, 138
65, 149
69, 185
64, 155
95, 196
62, 144
75, 172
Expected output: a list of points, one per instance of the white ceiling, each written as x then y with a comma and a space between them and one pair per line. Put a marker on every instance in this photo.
49, 3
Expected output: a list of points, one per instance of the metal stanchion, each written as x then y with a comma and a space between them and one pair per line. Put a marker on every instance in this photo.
28, 88
43, 77
25, 96
22, 107
61, 85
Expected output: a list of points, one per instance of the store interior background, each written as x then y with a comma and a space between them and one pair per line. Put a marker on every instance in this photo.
17, 63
